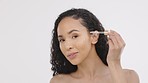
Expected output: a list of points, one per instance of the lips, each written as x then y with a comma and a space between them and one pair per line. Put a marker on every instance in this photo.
72, 55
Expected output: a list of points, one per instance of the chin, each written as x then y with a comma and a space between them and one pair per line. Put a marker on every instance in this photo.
75, 62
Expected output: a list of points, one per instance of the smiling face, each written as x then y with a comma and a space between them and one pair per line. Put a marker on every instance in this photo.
74, 39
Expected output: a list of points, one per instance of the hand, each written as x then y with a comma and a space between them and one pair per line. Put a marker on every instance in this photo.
116, 45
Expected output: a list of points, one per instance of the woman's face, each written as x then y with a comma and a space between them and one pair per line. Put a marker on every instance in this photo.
74, 40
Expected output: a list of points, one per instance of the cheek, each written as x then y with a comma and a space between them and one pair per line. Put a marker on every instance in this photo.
84, 46
62, 48
84, 41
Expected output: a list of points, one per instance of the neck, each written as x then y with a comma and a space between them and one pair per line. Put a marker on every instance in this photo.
92, 66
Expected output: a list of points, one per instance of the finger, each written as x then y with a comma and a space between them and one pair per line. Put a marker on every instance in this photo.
119, 39
110, 43
112, 37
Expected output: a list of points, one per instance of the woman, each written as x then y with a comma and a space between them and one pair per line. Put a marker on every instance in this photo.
79, 56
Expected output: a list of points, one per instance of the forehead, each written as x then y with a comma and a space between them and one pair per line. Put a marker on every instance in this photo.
69, 23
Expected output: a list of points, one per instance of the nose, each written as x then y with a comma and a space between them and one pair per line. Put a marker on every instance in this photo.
68, 45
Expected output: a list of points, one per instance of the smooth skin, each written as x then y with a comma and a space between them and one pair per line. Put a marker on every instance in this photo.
75, 39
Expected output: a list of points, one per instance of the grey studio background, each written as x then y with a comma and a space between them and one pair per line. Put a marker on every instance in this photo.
25, 35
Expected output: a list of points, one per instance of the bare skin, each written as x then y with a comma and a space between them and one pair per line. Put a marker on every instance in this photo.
90, 67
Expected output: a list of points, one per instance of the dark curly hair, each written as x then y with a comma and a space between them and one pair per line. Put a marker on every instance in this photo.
60, 65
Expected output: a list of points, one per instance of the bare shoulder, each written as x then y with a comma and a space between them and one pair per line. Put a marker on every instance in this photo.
61, 78
55, 79
131, 75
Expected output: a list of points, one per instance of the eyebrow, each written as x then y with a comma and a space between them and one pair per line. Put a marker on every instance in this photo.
69, 32
72, 31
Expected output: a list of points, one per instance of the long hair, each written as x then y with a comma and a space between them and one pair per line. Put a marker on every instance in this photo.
60, 65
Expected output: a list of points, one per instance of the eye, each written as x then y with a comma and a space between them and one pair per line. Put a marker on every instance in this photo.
61, 40
73, 37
